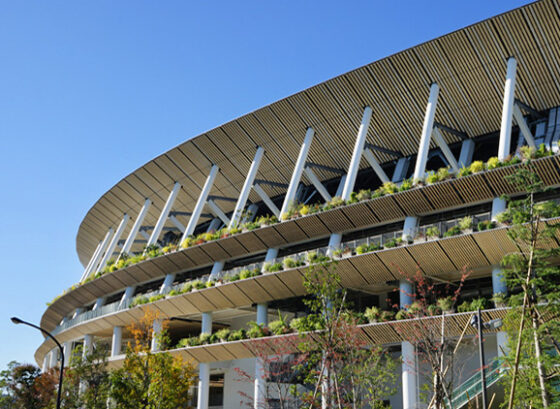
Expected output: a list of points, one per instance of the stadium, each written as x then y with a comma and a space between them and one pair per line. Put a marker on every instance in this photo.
219, 230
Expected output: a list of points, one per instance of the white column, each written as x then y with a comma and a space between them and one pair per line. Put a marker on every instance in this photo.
144, 234
467, 152
128, 293
523, 127
438, 138
201, 201
116, 342
88, 344
427, 128
204, 368
157, 327
368, 154
298, 170
98, 303
164, 214
135, 227
114, 241
271, 255
498, 206
45, 366
96, 266
266, 200
356, 155
67, 348
507, 110
259, 397
54, 358
317, 183
214, 225
246, 189
409, 363
410, 228
88, 267
167, 283
399, 174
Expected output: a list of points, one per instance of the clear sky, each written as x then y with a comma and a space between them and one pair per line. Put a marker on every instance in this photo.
89, 91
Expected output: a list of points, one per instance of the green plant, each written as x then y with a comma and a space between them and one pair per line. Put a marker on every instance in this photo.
477, 303
432, 178
187, 287
485, 225
464, 171
188, 342
527, 152
373, 314
244, 274
153, 251
476, 166
223, 334
279, 326
446, 303
210, 283
387, 316
173, 293
233, 277
504, 217
273, 267
198, 285
406, 185
465, 223
255, 330
237, 335
393, 243
432, 232
205, 338
453, 231
499, 300
139, 300
465, 306
433, 309
299, 324
156, 297
493, 163
389, 188
364, 194
289, 262
402, 315
362, 248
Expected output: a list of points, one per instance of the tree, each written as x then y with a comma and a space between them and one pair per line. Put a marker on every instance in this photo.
426, 332
150, 380
24, 386
341, 370
536, 280
86, 380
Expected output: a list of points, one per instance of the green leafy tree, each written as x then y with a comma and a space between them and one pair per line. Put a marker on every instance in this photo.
24, 386
533, 326
341, 369
150, 380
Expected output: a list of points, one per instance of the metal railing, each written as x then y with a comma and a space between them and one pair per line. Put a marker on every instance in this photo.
472, 387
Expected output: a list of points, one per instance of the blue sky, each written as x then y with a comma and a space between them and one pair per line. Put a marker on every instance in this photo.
89, 91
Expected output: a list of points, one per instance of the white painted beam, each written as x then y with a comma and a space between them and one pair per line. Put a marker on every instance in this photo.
356, 155
114, 241
266, 199
135, 228
424, 147
438, 138
96, 266
91, 261
201, 201
317, 183
507, 110
177, 224
164, 214
144, 234
246, 189
216, 211
368, 154
298, 170
523, 127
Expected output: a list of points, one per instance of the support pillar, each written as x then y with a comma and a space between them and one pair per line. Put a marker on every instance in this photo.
266, 200
214, 225
114, 241
157, 327
98, 303
67, 348
45, 366
356, 155
438, 137
467, 152
88, 267
424, 147
88, 344
317, 183
164, 214
298, 170
260, 381
401, 169
408, 355
135, 228
368, 155
507, 110
410, 228
204, 368
127, 296
201, 201
246, 189
96, 266
498, 284
54, 358
523, 127
167, 284
116, 342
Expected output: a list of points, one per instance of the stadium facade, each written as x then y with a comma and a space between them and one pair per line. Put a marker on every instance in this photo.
480, 92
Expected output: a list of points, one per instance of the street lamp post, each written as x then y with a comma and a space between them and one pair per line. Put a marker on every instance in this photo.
476, 322
16, 320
